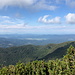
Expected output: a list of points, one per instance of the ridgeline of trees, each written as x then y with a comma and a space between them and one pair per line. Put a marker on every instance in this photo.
28, 53
63, 66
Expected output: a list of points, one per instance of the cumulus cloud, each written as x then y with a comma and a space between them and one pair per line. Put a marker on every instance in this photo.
70, 18
31, 4
44, 19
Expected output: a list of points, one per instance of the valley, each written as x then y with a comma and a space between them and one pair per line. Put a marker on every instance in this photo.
28, 53
10, 40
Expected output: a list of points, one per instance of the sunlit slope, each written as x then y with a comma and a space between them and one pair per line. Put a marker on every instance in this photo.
28, 53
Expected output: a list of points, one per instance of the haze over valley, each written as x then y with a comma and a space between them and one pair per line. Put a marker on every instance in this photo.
10, 40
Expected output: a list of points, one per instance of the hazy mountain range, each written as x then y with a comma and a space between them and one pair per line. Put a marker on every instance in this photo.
10, 40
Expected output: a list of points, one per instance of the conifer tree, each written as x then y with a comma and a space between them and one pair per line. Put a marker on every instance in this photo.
70, 58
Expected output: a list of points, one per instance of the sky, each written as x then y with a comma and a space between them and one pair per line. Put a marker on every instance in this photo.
37, 16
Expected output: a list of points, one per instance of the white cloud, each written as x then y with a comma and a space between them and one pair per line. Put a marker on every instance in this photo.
29, 27
48, 29
6, 3
17, 26
8, 22
4, 17
70, 18
43, 4
35, 4
44, 19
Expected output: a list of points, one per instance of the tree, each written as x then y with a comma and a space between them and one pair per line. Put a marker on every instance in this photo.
70, 59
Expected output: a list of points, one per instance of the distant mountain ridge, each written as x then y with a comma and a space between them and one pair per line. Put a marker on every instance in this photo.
10, 40
29, 53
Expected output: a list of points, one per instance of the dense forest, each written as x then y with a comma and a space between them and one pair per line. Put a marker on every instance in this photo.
63, 66
28, 53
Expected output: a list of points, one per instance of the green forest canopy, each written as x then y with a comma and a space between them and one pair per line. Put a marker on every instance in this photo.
63, 66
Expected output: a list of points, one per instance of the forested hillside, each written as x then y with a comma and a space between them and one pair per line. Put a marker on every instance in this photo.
63, 66
28, 53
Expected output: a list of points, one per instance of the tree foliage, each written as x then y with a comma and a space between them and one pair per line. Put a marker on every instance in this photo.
64, 66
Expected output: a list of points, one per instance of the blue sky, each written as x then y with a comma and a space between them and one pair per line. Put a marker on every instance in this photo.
37, 16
